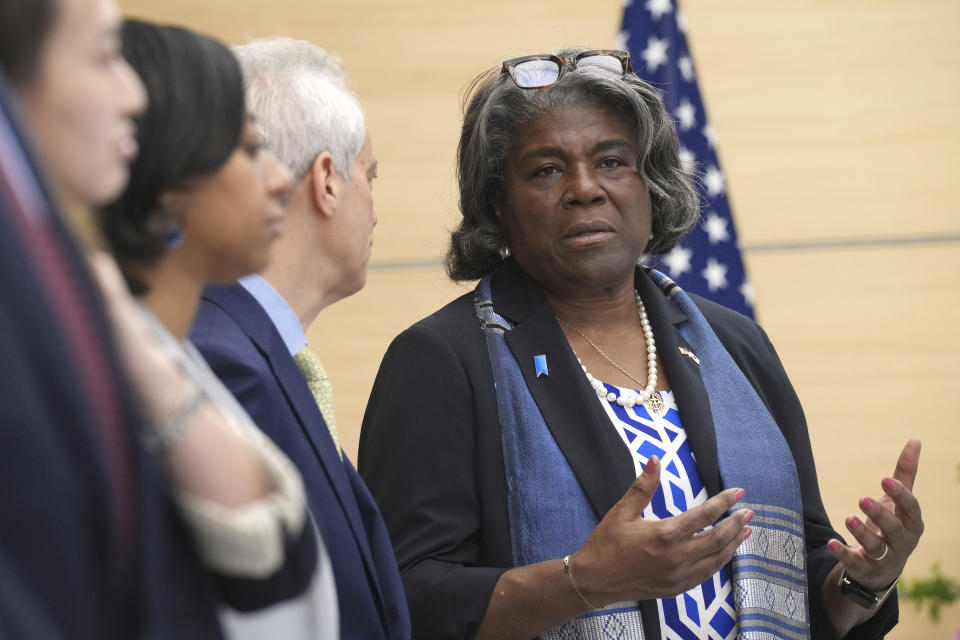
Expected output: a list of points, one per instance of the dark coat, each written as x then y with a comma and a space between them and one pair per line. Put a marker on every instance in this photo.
243, 347
61, 571
430, 446
60, 555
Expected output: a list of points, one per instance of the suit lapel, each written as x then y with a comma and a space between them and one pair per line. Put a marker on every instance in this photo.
569, 405
685, 380
255, 322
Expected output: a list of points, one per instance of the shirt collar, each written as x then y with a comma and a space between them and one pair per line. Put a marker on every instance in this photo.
279, 311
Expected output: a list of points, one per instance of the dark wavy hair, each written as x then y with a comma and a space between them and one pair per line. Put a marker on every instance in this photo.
193, 123
495, 107
24, 27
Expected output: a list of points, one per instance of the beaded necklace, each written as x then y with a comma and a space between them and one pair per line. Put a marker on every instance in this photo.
629, 398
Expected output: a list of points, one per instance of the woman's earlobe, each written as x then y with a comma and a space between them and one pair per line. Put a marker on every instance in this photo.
170, 219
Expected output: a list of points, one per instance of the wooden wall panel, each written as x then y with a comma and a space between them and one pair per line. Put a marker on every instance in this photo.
869, 340
835, 120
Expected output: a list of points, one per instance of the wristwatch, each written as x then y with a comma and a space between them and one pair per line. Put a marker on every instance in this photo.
860, 595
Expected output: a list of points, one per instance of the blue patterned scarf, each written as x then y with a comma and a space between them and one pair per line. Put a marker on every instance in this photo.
550, 516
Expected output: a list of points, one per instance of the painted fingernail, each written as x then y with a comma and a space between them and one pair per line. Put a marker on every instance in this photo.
868, 503
651, 465
853, 523
889, 484
748, 517
739, 494
746, 534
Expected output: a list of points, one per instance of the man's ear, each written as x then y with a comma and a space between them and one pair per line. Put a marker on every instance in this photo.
326, 185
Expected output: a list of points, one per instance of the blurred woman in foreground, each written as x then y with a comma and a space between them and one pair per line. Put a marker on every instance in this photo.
91, 534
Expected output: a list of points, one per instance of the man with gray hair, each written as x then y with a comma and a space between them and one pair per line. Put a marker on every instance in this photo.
253, 333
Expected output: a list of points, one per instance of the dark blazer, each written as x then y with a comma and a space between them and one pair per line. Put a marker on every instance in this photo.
430, 445
57, 524
22, 613
61, 574
243, 347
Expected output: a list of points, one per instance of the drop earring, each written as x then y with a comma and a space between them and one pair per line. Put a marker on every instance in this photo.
173, 236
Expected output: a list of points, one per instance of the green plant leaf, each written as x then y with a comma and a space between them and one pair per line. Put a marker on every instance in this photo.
931, 593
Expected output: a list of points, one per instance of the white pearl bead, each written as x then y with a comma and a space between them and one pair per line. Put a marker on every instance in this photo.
611, 397
621, 401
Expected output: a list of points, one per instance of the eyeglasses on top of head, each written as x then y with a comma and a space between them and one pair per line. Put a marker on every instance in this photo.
542, 70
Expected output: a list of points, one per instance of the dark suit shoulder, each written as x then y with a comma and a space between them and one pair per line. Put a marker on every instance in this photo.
744, 339
217, 335
727, 323
453, 316
213, 323
452, 331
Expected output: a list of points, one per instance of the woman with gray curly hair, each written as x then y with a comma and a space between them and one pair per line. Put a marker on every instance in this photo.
575, 449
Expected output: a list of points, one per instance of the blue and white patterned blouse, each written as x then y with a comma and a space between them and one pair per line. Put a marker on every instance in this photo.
705, 612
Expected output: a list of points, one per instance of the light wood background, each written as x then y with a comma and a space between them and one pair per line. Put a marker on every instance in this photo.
837, 126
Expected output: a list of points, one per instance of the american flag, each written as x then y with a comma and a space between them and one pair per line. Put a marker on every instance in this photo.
707, 260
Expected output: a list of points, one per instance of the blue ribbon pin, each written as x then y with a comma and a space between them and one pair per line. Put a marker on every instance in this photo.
540, 363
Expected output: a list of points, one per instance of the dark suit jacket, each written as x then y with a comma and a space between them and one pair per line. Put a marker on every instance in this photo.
57, 523
61, 573
22, 613
243, 347
430, 445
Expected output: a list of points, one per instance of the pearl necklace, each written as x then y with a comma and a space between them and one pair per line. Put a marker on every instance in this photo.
630, 398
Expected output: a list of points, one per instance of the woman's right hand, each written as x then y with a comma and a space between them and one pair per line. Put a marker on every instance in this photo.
629, 558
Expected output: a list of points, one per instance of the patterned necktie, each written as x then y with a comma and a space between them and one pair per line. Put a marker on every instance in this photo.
316, 377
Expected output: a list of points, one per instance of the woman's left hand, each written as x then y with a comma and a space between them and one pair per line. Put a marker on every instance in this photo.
892, 529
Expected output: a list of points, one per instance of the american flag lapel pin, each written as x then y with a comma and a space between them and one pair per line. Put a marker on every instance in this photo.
689, 354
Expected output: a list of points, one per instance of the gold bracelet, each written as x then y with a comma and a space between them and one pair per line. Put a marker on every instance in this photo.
567, 569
